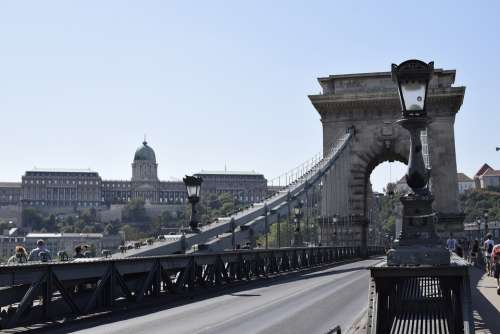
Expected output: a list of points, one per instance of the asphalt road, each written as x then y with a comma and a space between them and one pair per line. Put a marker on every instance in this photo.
299, 303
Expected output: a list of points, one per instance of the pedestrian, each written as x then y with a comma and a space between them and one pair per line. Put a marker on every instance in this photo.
87, 252
466, 246
20, 256
40, 253
488, 250
495, 257
458, 249
78, 252
474, 251
451, 243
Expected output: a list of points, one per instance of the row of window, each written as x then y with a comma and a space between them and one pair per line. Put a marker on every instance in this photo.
63, 203
62, 182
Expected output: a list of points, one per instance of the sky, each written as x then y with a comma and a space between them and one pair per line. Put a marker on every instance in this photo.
217, 84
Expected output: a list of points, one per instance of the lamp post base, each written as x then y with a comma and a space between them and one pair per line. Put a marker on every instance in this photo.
417, 255
418, 243
194, 227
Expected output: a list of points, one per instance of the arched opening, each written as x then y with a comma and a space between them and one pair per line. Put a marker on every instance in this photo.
385, 173
382, 202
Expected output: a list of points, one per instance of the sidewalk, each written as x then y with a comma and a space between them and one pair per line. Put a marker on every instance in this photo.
485, 302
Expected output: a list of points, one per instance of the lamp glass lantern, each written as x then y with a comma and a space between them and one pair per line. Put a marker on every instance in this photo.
297, 210
193, 186
412, 78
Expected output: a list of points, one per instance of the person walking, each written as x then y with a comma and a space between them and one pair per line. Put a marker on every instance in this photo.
495, 259
78, 252
40, 253
474, 251
488, 250
20, 256
466, 246
451, 243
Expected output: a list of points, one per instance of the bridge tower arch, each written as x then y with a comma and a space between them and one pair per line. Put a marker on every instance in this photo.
368, 104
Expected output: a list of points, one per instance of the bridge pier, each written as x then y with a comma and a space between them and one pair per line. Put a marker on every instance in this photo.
361, 223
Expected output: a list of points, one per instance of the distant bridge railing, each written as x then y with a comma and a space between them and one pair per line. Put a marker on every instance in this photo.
36, 292
229, 231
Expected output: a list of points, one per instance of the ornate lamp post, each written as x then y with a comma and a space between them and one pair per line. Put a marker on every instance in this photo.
193, 186
335, 221
297, 210
418, 243
486, 216
478, 222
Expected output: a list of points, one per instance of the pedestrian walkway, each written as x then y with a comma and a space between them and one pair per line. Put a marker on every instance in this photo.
485, 302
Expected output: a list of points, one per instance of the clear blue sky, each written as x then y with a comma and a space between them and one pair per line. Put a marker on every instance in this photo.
214, 82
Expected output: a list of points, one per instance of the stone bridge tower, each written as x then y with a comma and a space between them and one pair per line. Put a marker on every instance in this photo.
369, 103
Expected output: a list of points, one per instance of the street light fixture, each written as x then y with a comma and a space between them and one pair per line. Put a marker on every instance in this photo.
335, 220
478, 222
193, 186
297, 210
418, 243
486, 216
412, 78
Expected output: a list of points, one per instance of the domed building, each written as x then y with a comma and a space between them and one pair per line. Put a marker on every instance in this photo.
144, 166
57, 190
145, 183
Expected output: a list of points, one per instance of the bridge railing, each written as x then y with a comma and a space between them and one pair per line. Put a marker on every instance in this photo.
260, 214
35, 292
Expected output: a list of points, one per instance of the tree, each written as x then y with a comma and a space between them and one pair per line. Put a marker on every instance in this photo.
32, 218
136, 211
111, 229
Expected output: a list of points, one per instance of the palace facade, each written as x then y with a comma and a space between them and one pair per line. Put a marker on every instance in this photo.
84, 188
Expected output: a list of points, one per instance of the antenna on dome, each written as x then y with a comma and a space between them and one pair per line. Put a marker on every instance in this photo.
144, 142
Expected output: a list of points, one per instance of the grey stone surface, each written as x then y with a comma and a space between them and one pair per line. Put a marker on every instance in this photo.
369, 103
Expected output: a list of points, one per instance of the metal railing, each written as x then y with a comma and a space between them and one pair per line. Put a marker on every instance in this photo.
253, 217
35, 292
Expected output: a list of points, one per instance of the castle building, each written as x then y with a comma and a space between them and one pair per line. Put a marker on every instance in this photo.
73, 189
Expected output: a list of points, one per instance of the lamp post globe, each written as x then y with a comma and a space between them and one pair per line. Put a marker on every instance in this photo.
412, 78
193, 187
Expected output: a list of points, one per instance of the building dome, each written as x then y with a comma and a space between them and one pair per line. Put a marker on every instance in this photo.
145, 153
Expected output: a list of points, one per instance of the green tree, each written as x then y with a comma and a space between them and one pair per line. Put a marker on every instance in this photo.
50, 223
136, 211
32, 218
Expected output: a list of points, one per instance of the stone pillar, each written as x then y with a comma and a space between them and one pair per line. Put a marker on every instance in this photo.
444, 183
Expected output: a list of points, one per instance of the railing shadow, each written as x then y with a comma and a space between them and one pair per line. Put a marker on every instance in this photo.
486, 315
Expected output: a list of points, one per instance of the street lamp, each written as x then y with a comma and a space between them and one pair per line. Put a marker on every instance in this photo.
297, 210
412, 78
193, 186
478, 222
486, 216
418, 243
335, 220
